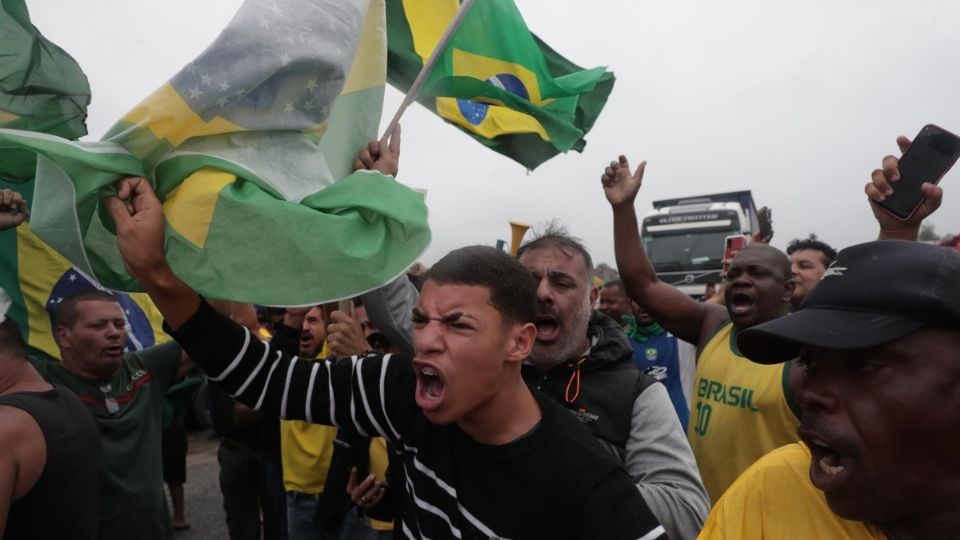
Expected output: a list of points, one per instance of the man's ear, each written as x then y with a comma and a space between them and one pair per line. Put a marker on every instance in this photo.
61, 333
522, 337
788, 288
594, 294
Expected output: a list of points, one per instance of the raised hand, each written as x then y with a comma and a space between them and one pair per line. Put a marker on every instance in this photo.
882, 184
382, 156
619, 184
13, 209
138, 216
345, 336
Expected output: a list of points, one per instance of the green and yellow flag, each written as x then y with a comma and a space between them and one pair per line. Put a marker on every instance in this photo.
43, 89
495, 80
37, 278
249, 148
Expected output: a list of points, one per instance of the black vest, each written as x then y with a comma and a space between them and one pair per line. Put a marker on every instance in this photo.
608, 385
63, 502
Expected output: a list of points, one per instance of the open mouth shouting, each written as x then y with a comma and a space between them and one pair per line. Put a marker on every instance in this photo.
306, 342
431, 386
740, 304
829, 468
548, 328
113, 351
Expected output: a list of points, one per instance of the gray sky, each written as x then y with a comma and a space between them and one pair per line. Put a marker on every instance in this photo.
797, 101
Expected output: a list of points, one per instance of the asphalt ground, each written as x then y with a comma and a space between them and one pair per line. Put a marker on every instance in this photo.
203, 502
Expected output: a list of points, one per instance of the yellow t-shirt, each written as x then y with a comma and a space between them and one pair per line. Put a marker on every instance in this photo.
378, 466
740, 412
305, 452
774, 499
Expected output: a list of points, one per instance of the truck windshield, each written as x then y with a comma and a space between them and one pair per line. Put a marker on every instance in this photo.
686, 251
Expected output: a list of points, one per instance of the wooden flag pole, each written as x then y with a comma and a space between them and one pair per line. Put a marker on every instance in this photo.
428, 67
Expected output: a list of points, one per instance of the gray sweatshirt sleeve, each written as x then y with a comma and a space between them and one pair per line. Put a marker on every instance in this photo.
659, 459
390, 309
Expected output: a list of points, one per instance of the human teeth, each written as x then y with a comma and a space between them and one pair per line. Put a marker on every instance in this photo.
828, 466
820, 442
429, 371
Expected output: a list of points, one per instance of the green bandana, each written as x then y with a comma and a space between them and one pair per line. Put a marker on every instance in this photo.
641, 333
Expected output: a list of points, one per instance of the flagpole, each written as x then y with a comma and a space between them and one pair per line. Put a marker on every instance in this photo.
428, 66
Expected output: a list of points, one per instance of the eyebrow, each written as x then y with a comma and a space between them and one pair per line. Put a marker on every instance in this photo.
446, 319
552, 274
559, 273
453, 317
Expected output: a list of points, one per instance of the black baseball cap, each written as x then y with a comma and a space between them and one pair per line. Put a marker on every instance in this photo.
871, 294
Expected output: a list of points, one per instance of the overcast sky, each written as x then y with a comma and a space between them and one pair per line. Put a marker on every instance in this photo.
797, 101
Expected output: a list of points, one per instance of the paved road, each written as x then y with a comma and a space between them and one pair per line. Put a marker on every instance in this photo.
204, 505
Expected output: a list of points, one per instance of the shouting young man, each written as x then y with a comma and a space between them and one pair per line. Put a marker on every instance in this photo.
478, 446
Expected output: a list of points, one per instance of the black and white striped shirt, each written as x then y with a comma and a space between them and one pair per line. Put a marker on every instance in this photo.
554, 482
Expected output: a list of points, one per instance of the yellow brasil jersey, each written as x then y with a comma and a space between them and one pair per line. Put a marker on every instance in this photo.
305, 452
775, 499
740, 411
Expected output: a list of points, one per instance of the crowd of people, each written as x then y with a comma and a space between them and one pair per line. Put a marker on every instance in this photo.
499, 397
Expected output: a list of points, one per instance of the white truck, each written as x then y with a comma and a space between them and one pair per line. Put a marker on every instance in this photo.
684, 238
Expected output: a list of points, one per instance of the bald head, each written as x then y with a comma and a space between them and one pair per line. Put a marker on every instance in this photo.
759, 285
774, 258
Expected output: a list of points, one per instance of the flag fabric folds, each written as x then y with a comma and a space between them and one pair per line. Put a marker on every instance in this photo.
41, 87
495, 80
37, 278
250, 149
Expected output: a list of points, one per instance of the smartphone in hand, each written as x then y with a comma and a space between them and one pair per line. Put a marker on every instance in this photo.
732, 245
928, 158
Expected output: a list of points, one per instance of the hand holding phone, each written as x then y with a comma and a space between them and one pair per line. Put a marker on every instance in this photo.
898, 187
732, 245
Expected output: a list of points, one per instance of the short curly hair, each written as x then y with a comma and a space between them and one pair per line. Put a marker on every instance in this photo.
828, 254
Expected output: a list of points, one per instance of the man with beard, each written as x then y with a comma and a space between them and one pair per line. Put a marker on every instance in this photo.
582, 359
654, 349
743, 410
879, 337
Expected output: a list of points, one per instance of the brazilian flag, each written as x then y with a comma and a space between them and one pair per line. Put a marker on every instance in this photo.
495, 80
43, 89
250, 149
37, 278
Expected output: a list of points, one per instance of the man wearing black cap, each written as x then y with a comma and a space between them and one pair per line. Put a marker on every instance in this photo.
881, 400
